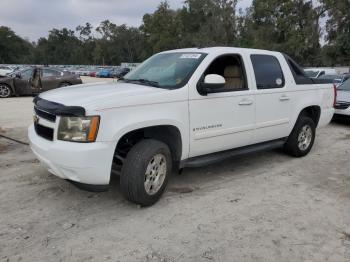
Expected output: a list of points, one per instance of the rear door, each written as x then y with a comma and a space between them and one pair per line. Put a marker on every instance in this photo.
273, 101
50, 79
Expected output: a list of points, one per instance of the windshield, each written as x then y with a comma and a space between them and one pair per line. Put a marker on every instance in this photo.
166, 70
345, 86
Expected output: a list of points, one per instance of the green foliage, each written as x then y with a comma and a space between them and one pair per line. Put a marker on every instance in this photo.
118, 44
61, 47
14, 49
338, 28
162, 29
289, 26
209, 22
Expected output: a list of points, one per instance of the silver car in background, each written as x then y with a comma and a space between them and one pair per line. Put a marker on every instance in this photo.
343, 99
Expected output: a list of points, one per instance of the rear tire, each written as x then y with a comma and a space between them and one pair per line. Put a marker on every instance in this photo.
145, 172
301, 140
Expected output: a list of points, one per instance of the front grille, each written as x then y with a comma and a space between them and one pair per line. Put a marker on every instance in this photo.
43, 131
45, 115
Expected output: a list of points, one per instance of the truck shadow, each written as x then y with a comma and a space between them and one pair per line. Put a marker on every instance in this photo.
192, 180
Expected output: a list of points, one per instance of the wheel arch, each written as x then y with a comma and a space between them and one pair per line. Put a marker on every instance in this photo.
313, 111
168, 134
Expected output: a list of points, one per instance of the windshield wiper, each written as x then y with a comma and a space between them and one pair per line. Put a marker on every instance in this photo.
142, 81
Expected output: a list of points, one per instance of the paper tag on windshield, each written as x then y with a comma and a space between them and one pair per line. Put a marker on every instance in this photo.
190, 56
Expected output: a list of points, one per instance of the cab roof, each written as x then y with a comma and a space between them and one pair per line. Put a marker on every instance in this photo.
221, 49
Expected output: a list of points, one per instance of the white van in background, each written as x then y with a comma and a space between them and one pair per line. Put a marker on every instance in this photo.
317, 72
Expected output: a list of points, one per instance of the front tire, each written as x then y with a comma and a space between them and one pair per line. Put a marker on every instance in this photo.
5, 91
302, 138
145, 172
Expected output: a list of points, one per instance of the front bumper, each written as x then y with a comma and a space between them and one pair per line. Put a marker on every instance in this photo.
87, 163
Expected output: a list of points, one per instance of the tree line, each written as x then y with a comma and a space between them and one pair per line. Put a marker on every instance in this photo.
313, 33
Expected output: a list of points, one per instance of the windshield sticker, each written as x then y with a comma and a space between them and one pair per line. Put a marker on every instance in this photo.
190, 56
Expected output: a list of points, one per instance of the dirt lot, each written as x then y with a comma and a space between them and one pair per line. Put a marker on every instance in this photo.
261, 207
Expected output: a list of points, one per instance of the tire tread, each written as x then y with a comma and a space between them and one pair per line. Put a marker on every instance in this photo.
132, 177
291, 146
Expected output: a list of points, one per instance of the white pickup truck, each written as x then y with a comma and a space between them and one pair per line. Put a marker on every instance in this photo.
180, 108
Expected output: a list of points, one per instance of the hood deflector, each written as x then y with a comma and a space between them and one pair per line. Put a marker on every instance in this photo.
58, 109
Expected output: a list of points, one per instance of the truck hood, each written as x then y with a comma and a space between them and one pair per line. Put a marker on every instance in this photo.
97, 96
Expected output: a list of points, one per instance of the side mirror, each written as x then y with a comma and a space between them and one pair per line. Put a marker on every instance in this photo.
212, 83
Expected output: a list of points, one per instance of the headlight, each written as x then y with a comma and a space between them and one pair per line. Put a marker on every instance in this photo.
78, 129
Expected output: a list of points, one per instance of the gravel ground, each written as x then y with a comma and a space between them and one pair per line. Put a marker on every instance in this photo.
260, 207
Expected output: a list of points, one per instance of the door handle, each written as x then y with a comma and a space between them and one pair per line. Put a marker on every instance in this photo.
284, 98
245, 102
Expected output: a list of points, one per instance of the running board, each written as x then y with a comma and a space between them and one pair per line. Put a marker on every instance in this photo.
209, 159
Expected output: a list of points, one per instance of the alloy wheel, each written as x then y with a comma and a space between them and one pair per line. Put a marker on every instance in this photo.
155, 174
5, 91
305, 138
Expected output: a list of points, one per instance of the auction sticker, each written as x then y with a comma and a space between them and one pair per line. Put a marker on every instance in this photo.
190, 56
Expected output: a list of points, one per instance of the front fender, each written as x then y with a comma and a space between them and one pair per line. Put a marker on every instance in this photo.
115, 123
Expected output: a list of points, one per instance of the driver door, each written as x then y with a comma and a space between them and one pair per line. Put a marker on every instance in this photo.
225, 119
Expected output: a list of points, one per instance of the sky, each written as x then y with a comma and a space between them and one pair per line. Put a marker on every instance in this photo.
32, 19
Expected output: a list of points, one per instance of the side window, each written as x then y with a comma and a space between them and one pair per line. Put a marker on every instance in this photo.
268, 72
27, 74
230, 67
50, 72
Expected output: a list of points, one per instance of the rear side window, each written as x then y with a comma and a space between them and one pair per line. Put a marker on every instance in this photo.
49, 72
268, 72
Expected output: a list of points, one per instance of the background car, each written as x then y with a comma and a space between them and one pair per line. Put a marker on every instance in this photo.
4, 70
19, 82
336, 79
317, 72
343, 100
104, 73
119, 72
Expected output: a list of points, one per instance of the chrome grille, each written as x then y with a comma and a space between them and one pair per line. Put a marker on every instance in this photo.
43, 114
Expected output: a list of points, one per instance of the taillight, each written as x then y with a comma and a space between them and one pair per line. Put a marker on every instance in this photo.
335, 95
